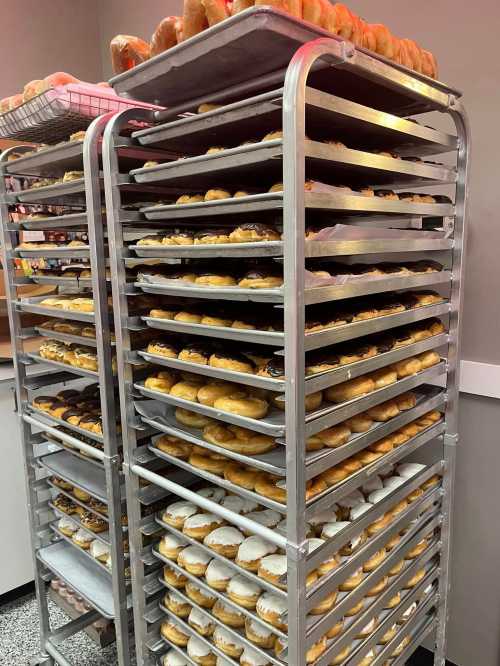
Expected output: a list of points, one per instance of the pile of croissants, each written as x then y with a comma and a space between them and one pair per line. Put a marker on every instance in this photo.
128, 51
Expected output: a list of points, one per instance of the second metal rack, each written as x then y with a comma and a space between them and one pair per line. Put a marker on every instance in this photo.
412, 515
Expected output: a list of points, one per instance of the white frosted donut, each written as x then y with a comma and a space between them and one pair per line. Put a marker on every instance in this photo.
197, 648
332, 529
351, 500
407, 470
218, 572
258, 629
173, 541
224, 536
373, 483
233, 503
223, 662
253, 658
243, 587
202, 520
326, 516
255, 548
379, 495
249, 506
268, 517
276, 565
66, 523
212, 493
394, 482
98, 549
270, 603
224, 637
181, 509
193, 555
196, 617
359, 510
174, 658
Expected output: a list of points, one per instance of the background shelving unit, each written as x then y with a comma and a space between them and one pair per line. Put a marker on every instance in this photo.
323, 96
89, 461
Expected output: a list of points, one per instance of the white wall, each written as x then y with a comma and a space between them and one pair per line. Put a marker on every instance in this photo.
44, 36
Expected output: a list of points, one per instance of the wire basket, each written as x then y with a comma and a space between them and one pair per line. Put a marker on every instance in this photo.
58, 112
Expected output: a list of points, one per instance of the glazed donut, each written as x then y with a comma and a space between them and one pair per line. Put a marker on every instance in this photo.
271, 486
325, 604
428, 359
251, 552
368, 658
240, 440
174, 632
393, 601
231, 361
171, 545
243, 405
81, 495
389, 634
198, 526
192, 419
208, 463
93, 522
178, 448
408, 367
382, 446
162, 381
208, 394
335, 436
355, 609
259, 635
378, 588
341, 656
384, 377
415, 580
396, 569
270, 608
228, 615
241, 475
359, 423
243, 591
187, 317
227, 642
176, 514
199, 595
374, 561
199, 652
218, 575
405, 401
200, 622
353, 388
194, 560
176, 604
336, 630
385, 411
368, 629
225, 541
186, 390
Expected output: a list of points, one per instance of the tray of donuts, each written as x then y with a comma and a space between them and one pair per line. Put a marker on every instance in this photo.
189, 433
260, 411
250, 479
64, 354
207, 575
334, 363
72, 441
74, 501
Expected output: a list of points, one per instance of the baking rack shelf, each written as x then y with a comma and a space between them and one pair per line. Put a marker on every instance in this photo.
367, 101
94, 470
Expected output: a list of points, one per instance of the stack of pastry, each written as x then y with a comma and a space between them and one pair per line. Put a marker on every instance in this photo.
70, 354
128, 51
262, 558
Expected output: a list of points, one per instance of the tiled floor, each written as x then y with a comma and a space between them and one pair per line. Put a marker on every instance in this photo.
19, 637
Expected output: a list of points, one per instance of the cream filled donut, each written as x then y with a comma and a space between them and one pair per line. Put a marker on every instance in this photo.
201, 622
201, 524
174, 632
360, 509
194, 560
327, 516
389, 635
199, 595
227, 642
67, 526
171, 545
174, 658
99, 550
253, 658
199, 652
353, 581
259, 635
408, 470
176, 514
368, 629
174, 578
218, 575
394, 482
228, 615
225, 541
212, 493
329, 563
269, 518
378, 495
251, 552
175, 603
233, 503
243, 591
271, 608
273, 568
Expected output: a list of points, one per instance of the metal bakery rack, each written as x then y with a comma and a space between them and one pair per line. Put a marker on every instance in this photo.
326, 90
80, 466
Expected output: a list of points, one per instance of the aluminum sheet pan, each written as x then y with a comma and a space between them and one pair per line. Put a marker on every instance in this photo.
170, 288
65, 366
52, 419
220, 56
74, 470
33, 305
262, 249
82, 575
58, 222
74, 188
61, 252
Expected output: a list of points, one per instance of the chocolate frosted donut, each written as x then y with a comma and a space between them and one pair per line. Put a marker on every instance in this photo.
195, 353
384, 343
253, 231
265, 276
274, 368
